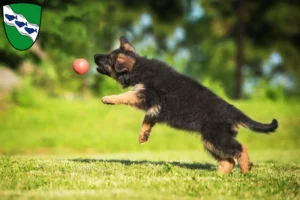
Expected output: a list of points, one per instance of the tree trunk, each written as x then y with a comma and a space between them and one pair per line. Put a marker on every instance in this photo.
240, 48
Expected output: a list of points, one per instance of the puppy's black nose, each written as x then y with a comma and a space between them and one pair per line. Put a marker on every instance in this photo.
97, 58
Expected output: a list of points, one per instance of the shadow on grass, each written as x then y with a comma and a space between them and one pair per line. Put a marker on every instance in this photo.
201, 166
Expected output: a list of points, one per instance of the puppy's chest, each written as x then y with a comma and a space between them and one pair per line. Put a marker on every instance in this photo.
150, 99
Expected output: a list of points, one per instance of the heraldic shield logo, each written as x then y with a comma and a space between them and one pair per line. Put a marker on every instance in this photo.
22, 24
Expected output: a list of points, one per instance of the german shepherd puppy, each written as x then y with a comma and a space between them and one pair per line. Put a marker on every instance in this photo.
169, 97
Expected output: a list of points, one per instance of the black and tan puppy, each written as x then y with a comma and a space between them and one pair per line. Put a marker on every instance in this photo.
172, 98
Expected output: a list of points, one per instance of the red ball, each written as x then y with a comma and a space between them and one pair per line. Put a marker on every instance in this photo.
81, 66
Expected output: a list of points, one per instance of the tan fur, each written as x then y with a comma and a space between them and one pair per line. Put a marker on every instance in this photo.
111, 72
225, 166
129, 98
128, 47
145, 132
153, 111
138, 87
146, 126
125, 45
126, 61
243, 160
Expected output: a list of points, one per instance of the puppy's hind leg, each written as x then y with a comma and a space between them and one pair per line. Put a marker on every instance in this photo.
231, 148
224, 148
243, 160
226, 165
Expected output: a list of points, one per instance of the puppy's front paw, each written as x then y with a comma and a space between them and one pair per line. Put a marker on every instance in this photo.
144, 137
108, 100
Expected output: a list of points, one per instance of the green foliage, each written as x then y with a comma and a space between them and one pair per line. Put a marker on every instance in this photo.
218, 66
270, 27
24, 95
107, 86
216, 87
276, 94
263, 91
79, 29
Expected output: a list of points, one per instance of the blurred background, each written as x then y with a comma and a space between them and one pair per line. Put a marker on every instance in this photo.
248, 52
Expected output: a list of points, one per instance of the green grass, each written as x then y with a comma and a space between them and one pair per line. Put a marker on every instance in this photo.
89, 126
165, 175
85, 150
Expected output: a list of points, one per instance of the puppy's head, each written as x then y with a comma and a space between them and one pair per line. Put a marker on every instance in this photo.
119, 61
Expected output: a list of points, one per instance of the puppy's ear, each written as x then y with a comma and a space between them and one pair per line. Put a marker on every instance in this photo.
124, 63
125, 45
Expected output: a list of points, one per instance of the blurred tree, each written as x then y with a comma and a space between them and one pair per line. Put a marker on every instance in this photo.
70, 29
240, 37
270, 26
74, 28
204, 32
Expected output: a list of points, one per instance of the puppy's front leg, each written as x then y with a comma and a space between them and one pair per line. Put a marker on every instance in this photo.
149, 121
133, 97
128, 98
145, 131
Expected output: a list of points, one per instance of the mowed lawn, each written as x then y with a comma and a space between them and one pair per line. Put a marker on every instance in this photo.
84, 150
147, 175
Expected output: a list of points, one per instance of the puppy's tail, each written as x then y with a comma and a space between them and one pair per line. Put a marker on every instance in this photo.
257, 126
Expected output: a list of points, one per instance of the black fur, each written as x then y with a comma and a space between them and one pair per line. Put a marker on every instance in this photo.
188, 105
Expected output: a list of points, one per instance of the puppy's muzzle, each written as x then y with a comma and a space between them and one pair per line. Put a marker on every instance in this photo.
99, 60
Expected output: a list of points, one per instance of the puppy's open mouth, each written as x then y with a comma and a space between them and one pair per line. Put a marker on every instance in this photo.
101, 70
